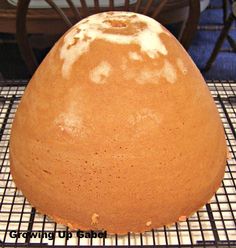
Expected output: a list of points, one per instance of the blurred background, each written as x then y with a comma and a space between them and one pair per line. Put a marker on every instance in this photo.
206, 28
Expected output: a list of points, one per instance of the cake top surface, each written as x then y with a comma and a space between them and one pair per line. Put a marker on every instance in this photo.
116, 27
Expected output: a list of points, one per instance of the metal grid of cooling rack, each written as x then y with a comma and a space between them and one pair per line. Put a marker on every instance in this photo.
212, 226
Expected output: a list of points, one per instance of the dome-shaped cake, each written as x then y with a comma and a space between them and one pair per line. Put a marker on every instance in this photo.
117, 129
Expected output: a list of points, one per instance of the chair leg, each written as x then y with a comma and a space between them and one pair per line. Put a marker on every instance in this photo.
232, 43
22, 37
220, 41
190, 26
225, 8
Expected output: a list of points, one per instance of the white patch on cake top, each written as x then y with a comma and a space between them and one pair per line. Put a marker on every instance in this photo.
169, 72
143, 121
146, 75
181, 66
144, 114
70, 121
135, 56
99, 74
78, 40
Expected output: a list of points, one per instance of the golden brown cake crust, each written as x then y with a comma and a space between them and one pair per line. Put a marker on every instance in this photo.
117, 129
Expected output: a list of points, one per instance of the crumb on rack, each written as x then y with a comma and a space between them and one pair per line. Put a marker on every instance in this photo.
95, 218
149, 223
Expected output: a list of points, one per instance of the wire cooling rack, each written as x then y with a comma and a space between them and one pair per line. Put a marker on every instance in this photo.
212, 226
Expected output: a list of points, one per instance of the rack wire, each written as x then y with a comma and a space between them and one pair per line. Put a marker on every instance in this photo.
212, 226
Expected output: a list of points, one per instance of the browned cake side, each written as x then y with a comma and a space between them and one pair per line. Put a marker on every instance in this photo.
117, 129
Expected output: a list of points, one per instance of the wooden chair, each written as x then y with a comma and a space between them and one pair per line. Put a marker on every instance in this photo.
225, 9
72, 14
223, 35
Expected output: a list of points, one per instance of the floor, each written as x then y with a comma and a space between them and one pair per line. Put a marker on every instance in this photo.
12, 66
